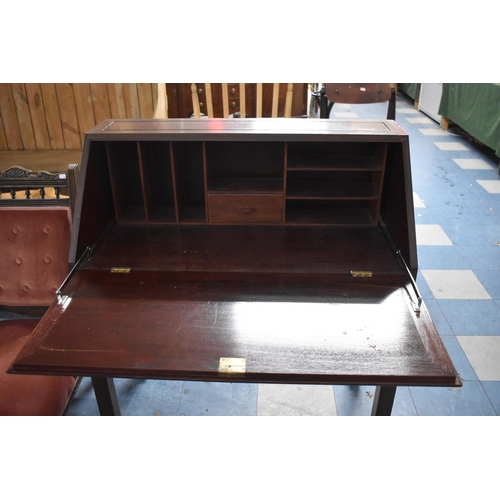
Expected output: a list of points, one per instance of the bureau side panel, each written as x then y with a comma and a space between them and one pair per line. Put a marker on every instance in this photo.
94, 205
396, 209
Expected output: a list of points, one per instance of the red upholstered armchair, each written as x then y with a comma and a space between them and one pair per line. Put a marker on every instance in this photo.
34, 253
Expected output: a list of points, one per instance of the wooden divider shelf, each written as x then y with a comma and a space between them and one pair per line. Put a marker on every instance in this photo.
224, 182
334, 183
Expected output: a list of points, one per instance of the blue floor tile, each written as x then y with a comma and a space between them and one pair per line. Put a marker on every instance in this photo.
403, 403
154, 397
139, 397
218, 398
441, 257
464, 229
438, 318
490, 279
483, 258
469, 400
471, 317
424, 216
494, 232
423, 287
357, 401
84, 402
354, 400
459, 358
492, 390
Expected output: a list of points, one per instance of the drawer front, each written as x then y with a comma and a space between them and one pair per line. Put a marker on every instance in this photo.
245, 208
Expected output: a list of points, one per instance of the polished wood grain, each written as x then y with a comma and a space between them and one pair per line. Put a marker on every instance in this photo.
309, 251
299, 334
264, 129
265, 294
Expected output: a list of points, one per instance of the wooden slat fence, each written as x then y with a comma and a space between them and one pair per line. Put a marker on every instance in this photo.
56, 115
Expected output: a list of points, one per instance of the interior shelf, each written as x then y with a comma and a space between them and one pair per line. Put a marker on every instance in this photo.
321, 189
246, 184
190, 186
126, 182
193, 182
317, 213
333, 162
158, 186
240, 167
192, 214
163, 214
132, 215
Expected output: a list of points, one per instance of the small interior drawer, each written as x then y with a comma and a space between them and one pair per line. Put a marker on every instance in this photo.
245, 208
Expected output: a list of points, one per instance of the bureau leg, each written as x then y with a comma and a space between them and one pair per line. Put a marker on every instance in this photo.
383, 401
105, 393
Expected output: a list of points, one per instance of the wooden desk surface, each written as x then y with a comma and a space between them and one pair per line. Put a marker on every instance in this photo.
140, 325
289, 327
251, 249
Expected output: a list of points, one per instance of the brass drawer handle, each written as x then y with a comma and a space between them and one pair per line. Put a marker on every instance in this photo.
246, 210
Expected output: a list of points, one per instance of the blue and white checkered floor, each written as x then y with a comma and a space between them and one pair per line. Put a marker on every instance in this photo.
457, 208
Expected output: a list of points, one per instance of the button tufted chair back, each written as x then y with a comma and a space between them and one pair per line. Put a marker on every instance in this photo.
34, 251
34, 254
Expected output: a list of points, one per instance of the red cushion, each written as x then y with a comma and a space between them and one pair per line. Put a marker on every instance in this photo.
28, 394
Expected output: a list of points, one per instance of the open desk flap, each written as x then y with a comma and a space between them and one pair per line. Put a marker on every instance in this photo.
143, 324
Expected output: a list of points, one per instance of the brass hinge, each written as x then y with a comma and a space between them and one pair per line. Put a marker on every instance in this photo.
361, 274
122, 270
232, 365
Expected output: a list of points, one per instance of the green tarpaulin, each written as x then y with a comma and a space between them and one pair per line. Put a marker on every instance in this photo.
476, 108
410, 89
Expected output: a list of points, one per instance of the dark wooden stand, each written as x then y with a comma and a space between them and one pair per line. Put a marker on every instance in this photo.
266, 251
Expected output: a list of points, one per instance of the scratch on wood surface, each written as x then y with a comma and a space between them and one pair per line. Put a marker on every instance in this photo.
215, 317
52, 349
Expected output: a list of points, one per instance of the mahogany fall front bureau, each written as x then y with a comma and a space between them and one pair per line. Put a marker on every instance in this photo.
253, 250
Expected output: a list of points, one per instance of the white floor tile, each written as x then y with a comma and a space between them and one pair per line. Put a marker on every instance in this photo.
417, 202
451, 146
408, 111
432, 131
472, 164
423, 119
432, 234
492, 187
345, 114
295, 400
483, 353
455, 284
